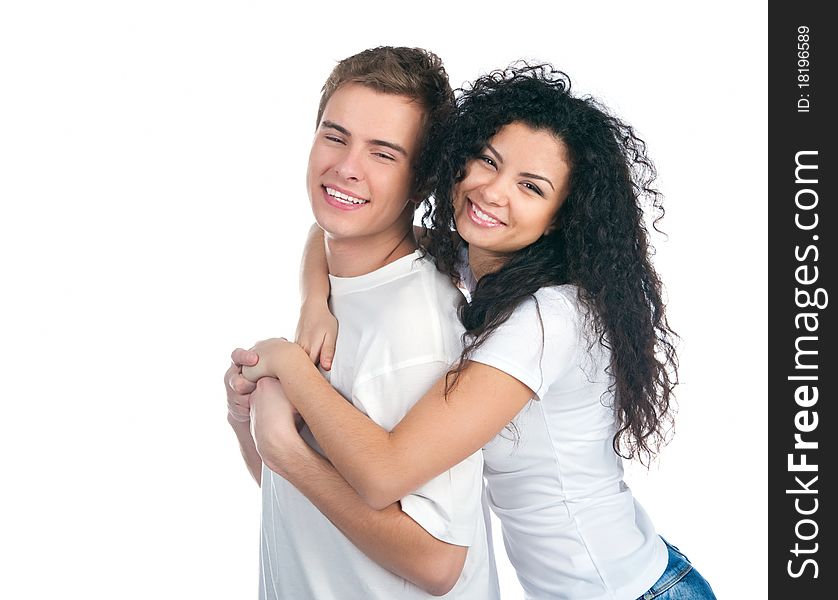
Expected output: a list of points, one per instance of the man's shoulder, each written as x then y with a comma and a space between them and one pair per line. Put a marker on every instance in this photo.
424, 294
411, 320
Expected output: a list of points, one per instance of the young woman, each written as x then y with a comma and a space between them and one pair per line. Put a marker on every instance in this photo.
569, 364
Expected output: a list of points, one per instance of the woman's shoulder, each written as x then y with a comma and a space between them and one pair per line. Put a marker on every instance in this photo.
558, 301
566, 293
541, 341
553, 310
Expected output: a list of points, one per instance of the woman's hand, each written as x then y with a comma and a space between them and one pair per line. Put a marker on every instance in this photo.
273, 354
317, 331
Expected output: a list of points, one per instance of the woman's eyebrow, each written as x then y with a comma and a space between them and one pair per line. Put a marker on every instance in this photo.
498, 157
525, 174
541, 177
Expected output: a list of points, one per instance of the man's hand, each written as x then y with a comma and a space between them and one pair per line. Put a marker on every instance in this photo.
238, 388
317, 331
275, 423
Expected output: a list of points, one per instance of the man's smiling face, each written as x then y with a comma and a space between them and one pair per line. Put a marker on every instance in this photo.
360, 169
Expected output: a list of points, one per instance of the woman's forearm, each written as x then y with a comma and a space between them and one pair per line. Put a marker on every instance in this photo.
359, 448
314, 270
388, 536
438, 432
316, 326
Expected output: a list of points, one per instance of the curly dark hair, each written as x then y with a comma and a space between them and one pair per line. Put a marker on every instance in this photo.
599, 243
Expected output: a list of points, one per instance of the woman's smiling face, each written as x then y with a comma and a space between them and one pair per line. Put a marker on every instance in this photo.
511, 193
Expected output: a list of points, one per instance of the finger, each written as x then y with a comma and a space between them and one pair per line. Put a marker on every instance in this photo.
241, 417
234, 368
327, 352
230, 375
301, 338
250, 375
242, 357
240, 385
314, 353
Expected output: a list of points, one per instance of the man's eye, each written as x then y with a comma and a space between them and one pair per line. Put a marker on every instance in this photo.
334, 138
383, 155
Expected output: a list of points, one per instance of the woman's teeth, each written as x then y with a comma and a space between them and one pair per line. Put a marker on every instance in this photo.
483, 216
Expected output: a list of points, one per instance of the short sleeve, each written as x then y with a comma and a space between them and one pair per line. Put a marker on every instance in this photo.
449, 505
540, 341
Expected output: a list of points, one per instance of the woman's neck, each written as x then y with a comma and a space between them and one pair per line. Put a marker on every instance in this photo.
482, 261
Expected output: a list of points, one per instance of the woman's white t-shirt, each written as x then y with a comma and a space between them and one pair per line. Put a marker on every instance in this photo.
571, 527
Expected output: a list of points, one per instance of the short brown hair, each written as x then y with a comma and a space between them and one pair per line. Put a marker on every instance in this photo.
412, 72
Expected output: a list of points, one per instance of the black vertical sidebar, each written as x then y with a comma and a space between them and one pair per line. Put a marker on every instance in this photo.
802, 370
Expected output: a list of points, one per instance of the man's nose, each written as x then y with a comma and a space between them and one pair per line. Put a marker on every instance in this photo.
349, 167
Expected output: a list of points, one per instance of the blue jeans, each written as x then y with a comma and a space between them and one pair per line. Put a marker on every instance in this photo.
680, 580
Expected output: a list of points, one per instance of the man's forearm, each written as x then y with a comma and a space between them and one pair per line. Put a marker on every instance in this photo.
389, 536
248, 448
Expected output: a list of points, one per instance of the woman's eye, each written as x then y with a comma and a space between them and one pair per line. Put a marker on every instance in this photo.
488, 160
533, 188
383, 155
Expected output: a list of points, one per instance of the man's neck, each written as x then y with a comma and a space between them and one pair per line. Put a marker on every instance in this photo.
352, 257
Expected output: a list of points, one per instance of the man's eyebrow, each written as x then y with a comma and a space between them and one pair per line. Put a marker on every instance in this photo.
333, 125
391, 145
530, 175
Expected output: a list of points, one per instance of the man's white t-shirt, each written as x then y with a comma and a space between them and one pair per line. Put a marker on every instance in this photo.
399, 333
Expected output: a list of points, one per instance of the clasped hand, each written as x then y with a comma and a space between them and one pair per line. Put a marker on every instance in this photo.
254, 393
270, 355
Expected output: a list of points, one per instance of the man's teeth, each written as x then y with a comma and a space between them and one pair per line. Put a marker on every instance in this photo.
341, 197
484, 216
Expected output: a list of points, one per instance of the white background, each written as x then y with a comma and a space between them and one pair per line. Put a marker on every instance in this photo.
152, 160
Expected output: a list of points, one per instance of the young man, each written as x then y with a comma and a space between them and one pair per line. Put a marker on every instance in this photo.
399, 333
